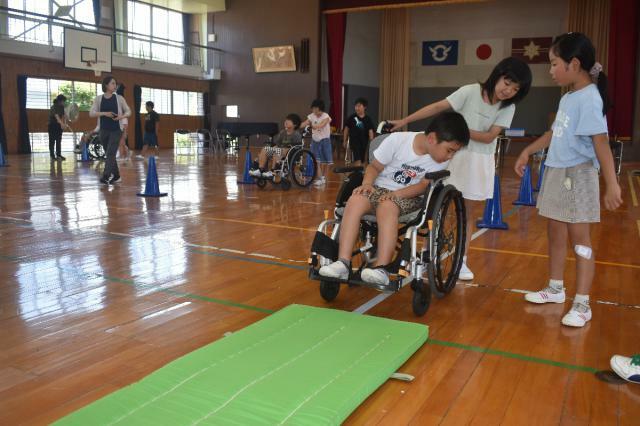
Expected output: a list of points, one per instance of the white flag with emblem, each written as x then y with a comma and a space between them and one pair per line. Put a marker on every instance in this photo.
481, 52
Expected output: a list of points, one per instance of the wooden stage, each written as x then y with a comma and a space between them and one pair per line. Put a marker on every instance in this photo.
100, 287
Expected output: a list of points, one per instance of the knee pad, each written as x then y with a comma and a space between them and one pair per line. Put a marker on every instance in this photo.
583, 251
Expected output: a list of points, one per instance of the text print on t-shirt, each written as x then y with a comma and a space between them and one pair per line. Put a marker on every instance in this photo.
561, 123
407, 174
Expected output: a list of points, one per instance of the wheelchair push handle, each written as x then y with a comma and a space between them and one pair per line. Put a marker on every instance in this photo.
384, 127
434, 176
348, 169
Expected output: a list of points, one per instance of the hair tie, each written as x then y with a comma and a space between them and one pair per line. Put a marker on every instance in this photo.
595, 71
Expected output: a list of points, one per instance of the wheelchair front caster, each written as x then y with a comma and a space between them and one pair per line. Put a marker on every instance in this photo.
421, 297
285, 184
329, 290
261, 183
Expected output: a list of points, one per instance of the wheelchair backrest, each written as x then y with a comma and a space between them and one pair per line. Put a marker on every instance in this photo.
375, 143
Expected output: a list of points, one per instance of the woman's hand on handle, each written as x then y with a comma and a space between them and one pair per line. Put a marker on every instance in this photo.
397, 124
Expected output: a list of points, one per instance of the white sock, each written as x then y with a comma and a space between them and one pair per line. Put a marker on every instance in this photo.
464, 259
557, 285
582, 299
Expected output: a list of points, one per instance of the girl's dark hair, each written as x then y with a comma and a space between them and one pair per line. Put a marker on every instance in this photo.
361, 101
514, 70
106, 81
318, 103
577, 45
149, 104
60, 98
295, 119
450, 126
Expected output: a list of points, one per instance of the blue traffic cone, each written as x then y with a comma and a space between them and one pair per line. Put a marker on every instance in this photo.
540, 175
3, 160
152, 189
246, 177
309, 167
84, 157
525, 197
492, 217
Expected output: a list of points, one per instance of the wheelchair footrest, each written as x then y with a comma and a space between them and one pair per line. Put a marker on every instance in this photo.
393, 286
325, 246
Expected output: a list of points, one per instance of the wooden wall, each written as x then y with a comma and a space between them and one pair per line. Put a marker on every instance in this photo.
11, 67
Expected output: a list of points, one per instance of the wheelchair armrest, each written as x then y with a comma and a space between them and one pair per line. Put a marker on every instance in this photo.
348, 169
437, 175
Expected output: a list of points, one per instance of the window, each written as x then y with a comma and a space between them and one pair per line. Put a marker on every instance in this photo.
33, 28
232, 111
174, 102
157, 33
41, 92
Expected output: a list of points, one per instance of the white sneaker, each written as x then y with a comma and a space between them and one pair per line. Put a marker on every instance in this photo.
139, 157
267, 175
577, 316
546, 295
627, 368
255, 173
375, 276
465, 273
319, 181
335, 270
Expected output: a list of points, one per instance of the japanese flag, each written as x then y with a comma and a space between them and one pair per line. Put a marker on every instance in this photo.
481, 52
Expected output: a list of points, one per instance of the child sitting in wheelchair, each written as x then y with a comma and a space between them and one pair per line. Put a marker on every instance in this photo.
281, 143
393, 185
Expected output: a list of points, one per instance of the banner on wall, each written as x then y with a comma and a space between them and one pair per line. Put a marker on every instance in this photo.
482, 52
534, 50
440, 52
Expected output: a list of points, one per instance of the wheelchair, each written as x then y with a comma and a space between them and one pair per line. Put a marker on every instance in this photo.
95, 148
299, 164
430, 244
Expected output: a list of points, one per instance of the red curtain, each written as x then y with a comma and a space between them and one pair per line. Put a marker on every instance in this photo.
623, 37
336, 27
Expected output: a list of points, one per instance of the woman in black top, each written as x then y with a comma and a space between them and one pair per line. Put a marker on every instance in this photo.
55, 126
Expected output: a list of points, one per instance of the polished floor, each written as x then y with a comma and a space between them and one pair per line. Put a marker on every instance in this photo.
99, 287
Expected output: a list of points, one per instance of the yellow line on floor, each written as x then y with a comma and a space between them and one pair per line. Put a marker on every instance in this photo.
522, 253
634, 197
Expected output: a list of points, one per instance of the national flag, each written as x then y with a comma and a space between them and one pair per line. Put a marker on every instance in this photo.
480, 52
533, 50
440, 52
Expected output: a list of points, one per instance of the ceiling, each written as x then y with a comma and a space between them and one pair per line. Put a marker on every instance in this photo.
191, 6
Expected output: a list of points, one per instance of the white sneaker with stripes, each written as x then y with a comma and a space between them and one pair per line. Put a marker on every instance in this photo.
546, 295
578, 316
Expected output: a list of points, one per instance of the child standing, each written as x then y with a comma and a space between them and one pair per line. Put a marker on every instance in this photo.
488, 109
393, 186
569, 196
150, 130
358, 130
321, 139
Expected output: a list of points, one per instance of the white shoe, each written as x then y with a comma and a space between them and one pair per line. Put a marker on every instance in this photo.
627, 368
319, 182
577, 316
375, 276
465, 272
335, 270
546, 295
267, 175
139, 157
255, 173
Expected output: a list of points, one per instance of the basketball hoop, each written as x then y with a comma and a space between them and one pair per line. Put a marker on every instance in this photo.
96, 71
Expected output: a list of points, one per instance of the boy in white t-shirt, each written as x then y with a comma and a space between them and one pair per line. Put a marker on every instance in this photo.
393, 185
321, 138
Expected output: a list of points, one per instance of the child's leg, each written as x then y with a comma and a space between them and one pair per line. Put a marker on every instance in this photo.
585, 260
262, 158
356, 207
470, 206
387, 215
557, 235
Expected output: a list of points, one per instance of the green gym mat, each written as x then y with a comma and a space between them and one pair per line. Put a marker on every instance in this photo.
301, 365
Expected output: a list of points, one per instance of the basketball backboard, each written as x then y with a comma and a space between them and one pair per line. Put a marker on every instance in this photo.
87, 50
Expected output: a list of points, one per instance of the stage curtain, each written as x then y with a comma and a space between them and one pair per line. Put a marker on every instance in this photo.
394, 64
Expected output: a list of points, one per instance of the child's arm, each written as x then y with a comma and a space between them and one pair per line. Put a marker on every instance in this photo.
345, 136
486, 137
371, 135
410, 191
612, 196
321, 124
422, 113
370, 175
540, 143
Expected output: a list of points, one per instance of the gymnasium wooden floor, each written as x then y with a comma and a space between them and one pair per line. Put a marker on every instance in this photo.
99, 288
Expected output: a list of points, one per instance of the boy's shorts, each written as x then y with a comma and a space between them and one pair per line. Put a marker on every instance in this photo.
322, 151
150, 139
406, 205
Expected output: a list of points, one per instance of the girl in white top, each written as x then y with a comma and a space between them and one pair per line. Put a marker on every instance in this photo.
488, 108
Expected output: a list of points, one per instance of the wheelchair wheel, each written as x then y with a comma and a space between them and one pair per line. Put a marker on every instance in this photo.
303, 167
96, 149
421, 297
449, 230
329, 290
261, 183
